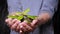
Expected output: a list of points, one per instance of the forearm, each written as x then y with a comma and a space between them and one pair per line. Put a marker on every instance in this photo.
43, 18
47, 11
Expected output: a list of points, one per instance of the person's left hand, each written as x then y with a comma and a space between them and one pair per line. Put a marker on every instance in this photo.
25, 27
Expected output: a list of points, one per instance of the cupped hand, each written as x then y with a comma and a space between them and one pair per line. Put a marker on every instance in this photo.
13, 23
25, 27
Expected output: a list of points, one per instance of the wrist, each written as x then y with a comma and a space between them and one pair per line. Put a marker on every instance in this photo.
43, 18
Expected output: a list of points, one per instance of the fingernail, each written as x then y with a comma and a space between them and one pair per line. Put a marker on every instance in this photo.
20, 31
6, 20
21, 26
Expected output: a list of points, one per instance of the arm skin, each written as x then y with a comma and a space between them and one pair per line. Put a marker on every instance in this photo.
47, 11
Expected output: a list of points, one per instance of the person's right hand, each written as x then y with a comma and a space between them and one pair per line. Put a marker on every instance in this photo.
13, 23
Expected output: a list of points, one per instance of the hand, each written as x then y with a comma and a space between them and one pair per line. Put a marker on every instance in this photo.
25, 27
13, 23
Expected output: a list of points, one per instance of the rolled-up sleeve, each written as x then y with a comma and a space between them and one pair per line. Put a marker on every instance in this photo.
49, 6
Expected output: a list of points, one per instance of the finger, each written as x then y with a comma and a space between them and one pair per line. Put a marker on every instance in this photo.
25, 27
34, 23
14, 26
18, 27
28, 28
14, 20
24, 30
21, 32
25, 24
8, 21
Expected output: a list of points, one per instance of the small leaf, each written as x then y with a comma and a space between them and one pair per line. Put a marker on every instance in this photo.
32, 17
11, 16
20, 17
26, 11
18, 13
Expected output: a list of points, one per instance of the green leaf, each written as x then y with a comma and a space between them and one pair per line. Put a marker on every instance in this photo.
18, 13
11, 16
32, 17
25, 11
20, 17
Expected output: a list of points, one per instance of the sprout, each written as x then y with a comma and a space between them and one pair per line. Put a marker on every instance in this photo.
22, 16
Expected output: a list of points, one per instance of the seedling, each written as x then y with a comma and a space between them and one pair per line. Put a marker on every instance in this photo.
22, 16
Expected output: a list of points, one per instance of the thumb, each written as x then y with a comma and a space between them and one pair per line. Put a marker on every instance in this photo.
34, 22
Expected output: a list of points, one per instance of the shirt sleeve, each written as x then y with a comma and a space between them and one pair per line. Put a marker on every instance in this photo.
49, 6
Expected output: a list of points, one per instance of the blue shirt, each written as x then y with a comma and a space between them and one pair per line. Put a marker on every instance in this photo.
36, 7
